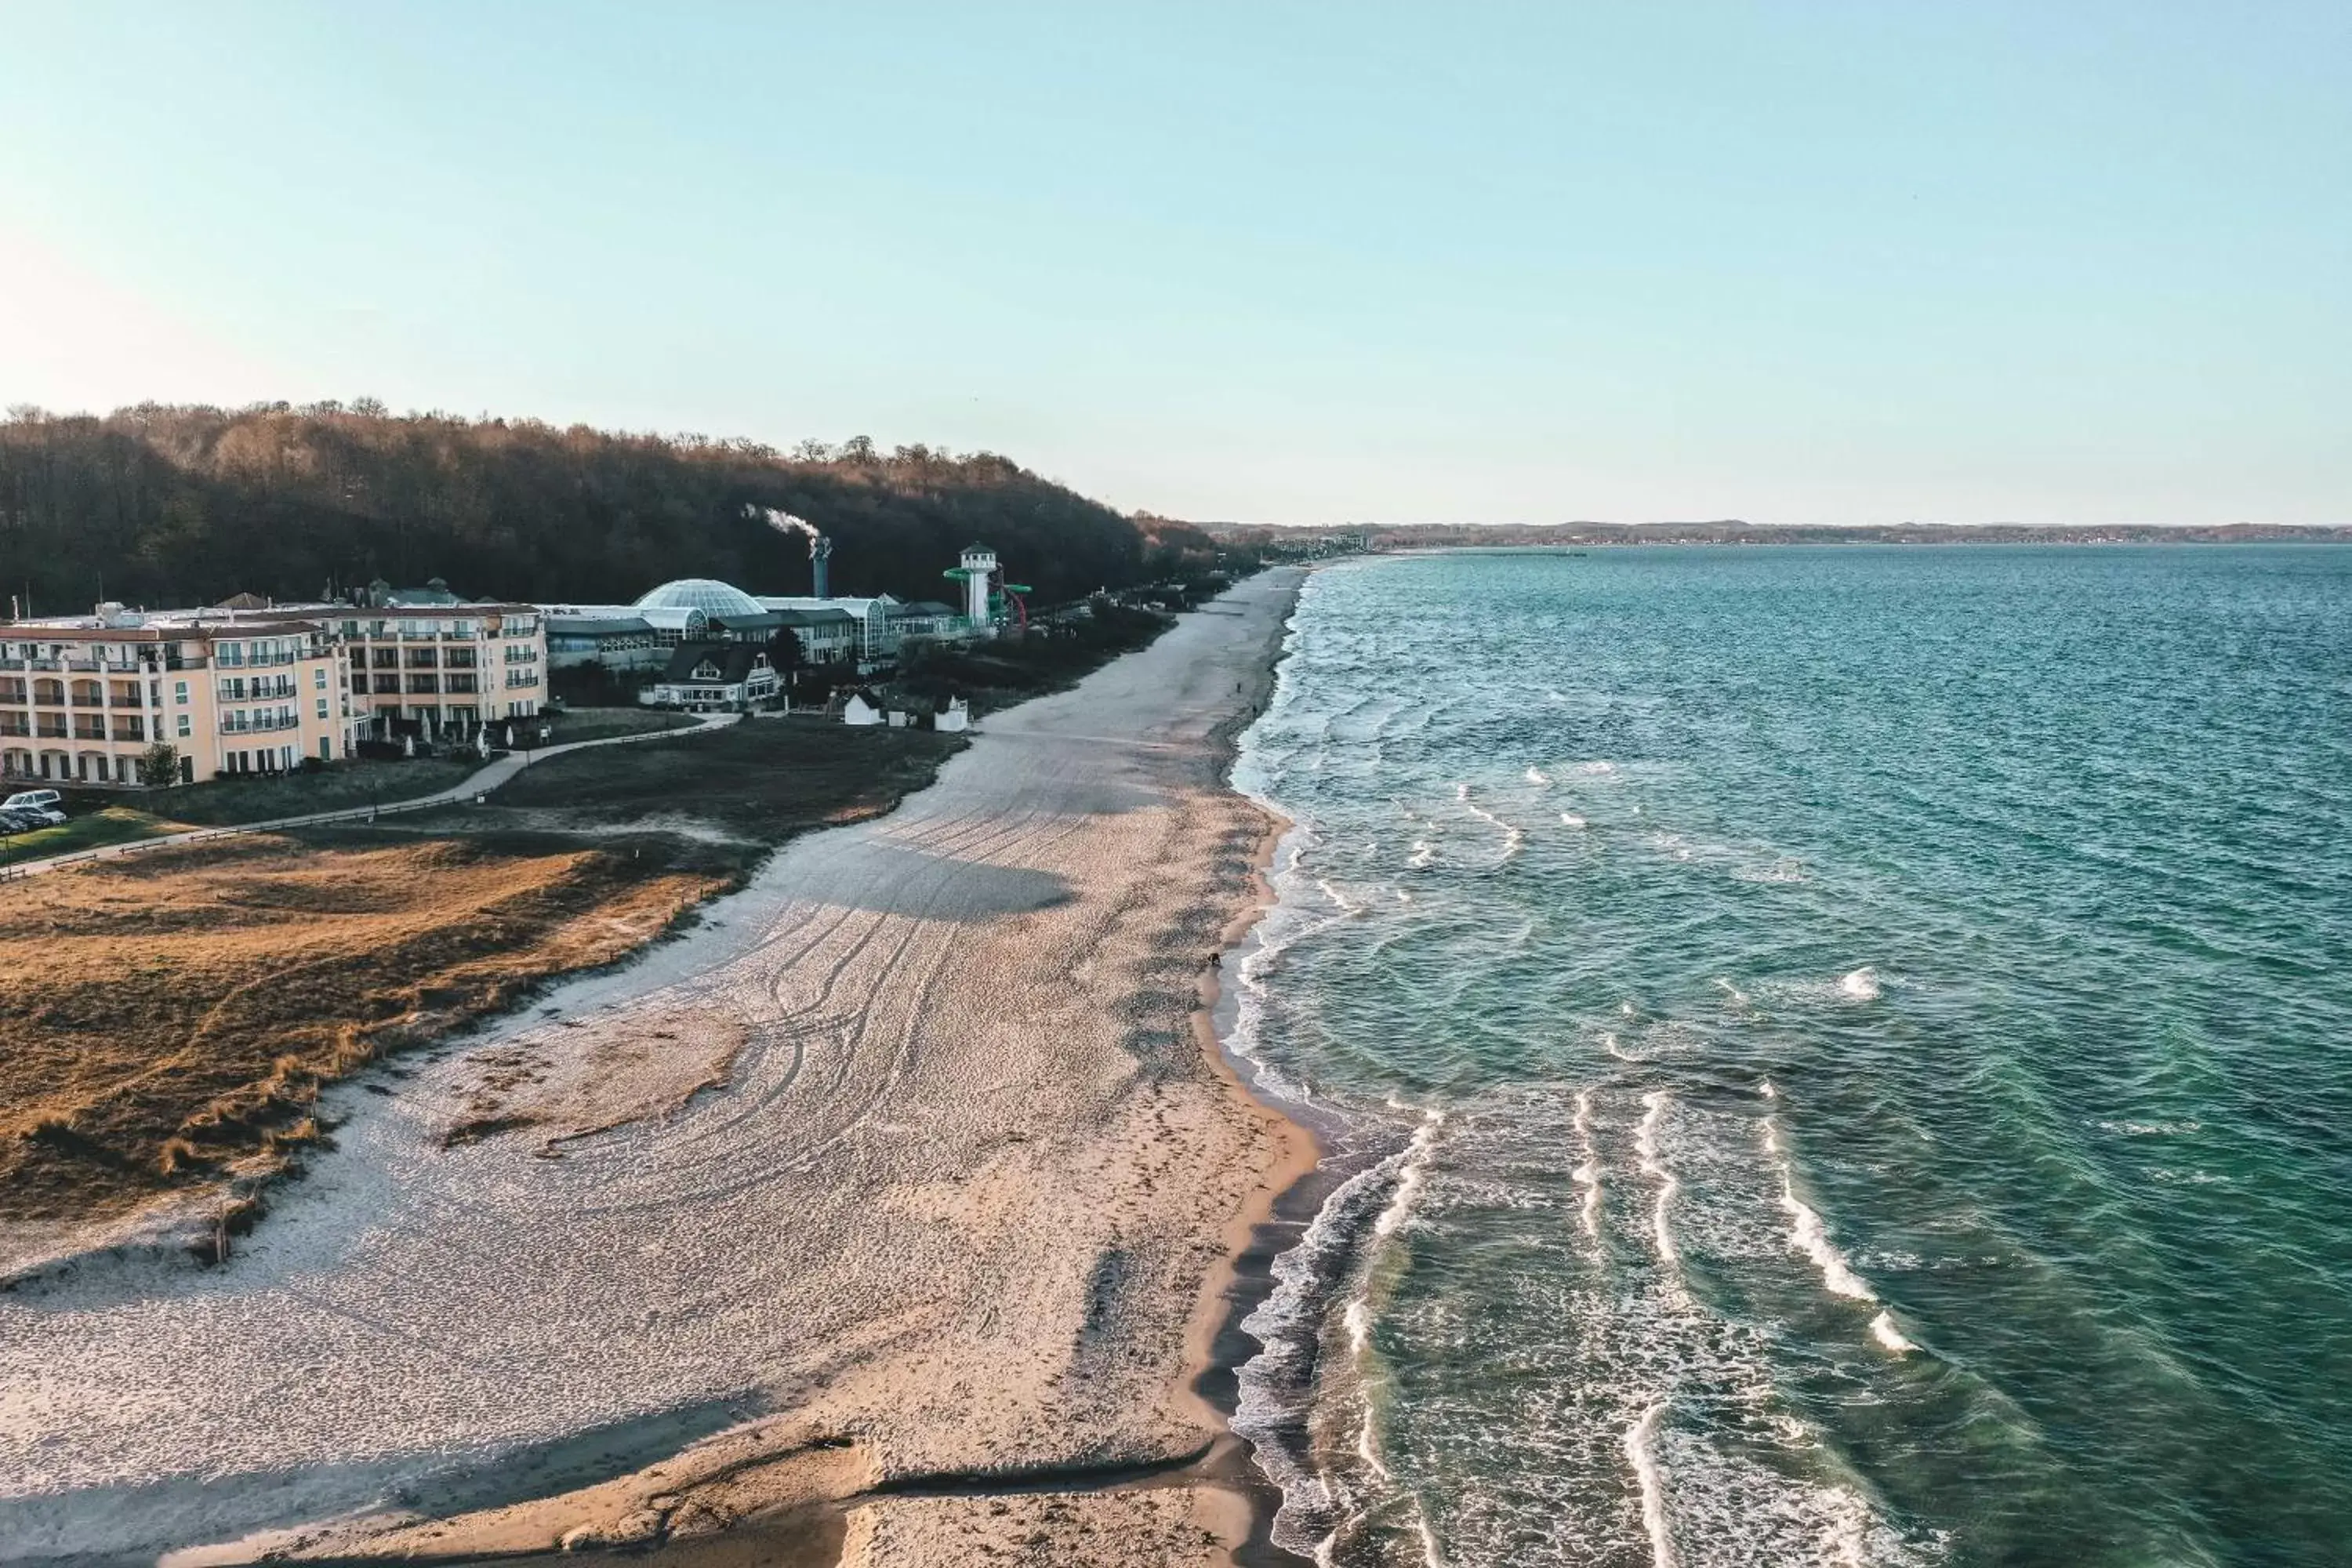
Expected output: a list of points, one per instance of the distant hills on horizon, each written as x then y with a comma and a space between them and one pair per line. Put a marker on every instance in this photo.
1732, 530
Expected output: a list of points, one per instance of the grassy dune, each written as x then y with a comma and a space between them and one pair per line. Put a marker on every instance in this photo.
169, 1021
170, 1017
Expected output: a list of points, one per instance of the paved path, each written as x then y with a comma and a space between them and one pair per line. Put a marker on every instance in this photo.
481, 782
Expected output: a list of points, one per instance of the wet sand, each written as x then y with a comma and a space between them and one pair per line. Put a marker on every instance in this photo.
938, 1261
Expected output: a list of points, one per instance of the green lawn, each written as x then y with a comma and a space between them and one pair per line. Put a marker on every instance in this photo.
602, 723
112, 825
224, 803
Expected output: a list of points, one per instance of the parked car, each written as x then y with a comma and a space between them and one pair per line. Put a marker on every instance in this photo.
27, 819
32, 800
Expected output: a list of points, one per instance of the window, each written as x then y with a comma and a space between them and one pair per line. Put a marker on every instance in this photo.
323, 707
180, 692
185, 729
319, 677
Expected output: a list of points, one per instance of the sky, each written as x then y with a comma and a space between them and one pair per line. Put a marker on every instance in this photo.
1807, 262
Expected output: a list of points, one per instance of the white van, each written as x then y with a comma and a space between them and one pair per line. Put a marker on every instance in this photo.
31, 800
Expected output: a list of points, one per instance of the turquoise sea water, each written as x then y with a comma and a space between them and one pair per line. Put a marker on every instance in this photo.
1846, 1055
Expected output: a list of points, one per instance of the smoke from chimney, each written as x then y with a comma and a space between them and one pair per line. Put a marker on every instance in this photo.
820, 547
784, 521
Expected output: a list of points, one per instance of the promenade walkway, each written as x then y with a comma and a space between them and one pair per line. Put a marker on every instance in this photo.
489, 777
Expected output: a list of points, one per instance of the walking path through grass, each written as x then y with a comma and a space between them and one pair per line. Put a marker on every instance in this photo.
479, 782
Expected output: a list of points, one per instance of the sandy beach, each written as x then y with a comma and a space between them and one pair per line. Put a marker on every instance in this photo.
889, 1212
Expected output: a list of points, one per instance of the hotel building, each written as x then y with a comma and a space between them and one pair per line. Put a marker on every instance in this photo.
82, 699
255, 687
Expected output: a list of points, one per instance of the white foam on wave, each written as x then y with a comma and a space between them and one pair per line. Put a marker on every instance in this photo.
1538, 777
1609, 1043
1596, 768
1358, 1321
1739, 997
1514, 838
1273, 1383
1347, 906
1569, 819
1858, 984
1413, 1177
1422, 854
1462, 792
1432, 1554
1810, 1236
1640, 1453
1586, 1174
1646, 1149
1766, 1091
1674, 847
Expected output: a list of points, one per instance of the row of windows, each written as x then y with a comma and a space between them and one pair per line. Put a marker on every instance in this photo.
416, 626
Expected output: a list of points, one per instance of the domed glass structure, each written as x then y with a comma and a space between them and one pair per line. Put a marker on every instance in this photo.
708, 594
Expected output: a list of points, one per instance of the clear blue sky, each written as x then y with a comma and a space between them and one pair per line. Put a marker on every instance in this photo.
1817, 261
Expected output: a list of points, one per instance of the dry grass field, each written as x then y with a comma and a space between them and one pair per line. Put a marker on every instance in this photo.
167, 1022
170, 1020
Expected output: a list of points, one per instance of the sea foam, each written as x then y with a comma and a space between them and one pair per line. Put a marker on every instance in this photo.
1858, 984
1640, 1453
1586, 1174
1646, 1149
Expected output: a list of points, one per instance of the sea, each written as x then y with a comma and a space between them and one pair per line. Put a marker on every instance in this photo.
1828, 1056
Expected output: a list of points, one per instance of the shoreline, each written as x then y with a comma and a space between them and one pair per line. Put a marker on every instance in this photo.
1012, 1323
1242, 1277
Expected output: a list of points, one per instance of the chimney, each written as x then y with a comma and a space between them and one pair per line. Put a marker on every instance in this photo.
821, 567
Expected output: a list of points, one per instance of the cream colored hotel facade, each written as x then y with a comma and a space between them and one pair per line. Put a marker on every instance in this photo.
254, 690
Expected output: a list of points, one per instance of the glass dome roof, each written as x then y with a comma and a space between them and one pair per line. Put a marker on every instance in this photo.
708, 594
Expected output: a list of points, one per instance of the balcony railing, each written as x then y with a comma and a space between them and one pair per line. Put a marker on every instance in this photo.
258, 726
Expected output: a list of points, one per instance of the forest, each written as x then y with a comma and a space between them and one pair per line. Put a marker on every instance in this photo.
174, 506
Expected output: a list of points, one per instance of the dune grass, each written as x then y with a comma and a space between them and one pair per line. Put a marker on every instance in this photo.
173, 1017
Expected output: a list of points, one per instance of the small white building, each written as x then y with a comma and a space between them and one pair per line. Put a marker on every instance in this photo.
857, 710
